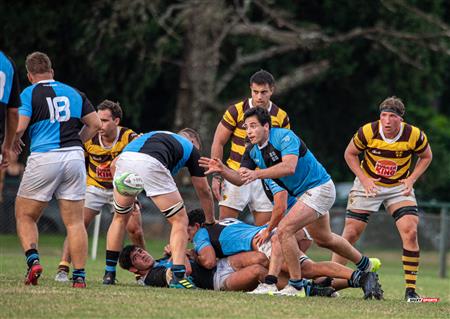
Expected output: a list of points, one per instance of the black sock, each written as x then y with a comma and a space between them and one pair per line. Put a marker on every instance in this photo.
32, 255
354, 281
270, 280
111, 260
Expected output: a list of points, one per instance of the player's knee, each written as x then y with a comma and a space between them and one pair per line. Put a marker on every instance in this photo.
324, 241
285, 232
351, 234
410, 234
261, 259
307, 268
258, 271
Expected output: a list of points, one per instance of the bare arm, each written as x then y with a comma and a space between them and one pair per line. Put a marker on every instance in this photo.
207, 257
216, 166
205, 196
221, 138
351, 157
12, 120
285, 168
91, 126
422, 164
21, 128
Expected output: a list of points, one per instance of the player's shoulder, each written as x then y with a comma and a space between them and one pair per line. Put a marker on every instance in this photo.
278, 135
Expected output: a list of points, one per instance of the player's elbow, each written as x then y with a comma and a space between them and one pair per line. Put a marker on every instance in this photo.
209, 263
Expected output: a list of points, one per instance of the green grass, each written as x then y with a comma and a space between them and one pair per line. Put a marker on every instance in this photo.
127, 300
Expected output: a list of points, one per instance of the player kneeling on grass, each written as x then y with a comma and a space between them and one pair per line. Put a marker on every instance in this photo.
240, 272
149, 163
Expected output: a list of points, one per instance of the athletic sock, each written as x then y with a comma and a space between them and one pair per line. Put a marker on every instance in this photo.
111, 260
410, 267
178, 272
79, 273
64, 265
297, 283
271, 280
32, 255
354, 281
364, 264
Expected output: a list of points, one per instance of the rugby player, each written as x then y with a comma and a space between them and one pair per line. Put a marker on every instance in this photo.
54, 114
283, 157
233, 199
154, 158
384, 177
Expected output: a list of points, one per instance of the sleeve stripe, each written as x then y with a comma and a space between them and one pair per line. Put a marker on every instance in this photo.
227, 125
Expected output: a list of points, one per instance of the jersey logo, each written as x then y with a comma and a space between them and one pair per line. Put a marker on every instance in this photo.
103, 171
273, 156
386, 168
376, 152
398, 153
286, 139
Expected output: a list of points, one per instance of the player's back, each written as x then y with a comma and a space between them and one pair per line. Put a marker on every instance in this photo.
55, 111
171, 149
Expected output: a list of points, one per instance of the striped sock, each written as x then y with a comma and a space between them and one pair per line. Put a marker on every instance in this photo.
178, 272
79, 273
354, 281
111, 260
298, 283
31, 255
364, 264
410, 267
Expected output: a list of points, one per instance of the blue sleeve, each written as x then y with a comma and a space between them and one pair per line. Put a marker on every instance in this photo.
25, 109
201, 240
289, 143
274, 187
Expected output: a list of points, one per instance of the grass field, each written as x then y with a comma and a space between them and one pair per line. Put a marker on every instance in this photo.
127, 300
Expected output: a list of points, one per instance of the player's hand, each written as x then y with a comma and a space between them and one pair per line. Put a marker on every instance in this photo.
212, 165
248, 175
5, 157
370, 188
216, 186
167, 250
262, 237
409, 183
17, 146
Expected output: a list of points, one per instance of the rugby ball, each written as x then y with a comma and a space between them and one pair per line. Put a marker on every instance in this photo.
129, 184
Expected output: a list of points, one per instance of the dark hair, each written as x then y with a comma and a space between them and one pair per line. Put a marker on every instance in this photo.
125, 257
393, 104
38, 63
196, 216
114, 107
192, 134
261, 114
262, 77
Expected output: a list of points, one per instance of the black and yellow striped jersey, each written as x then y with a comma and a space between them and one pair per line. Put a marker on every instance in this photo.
99, 157
389, 160
233, 119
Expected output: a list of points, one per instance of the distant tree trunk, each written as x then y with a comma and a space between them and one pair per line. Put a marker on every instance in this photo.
203, 23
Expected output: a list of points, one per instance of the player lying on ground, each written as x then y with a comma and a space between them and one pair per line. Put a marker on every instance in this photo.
240, 272
231, 236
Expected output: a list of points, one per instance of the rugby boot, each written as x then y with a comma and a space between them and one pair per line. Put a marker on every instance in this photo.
33, 273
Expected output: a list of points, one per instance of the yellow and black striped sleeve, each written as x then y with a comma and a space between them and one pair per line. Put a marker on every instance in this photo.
421, 140
362, 136
230, 118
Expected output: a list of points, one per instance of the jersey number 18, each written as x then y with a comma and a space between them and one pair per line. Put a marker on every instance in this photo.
59, 108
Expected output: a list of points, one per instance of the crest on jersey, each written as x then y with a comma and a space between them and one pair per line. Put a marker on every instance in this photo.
398, 153
273, 156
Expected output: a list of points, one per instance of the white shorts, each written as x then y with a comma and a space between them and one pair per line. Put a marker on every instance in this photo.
387, 196
157, 179
223, 271
62, 173
251, 194
266, 247
96, 198
320, 198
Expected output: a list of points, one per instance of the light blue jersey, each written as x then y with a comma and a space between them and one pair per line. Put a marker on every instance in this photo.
228, 237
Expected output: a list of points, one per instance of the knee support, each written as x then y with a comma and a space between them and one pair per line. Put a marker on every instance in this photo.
171, 211
122, 209
403, 211
358, 216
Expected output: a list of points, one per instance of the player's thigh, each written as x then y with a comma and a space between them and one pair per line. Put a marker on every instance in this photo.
358, 201
245, 279
41, 178
299, 216
25, 207
245, 259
